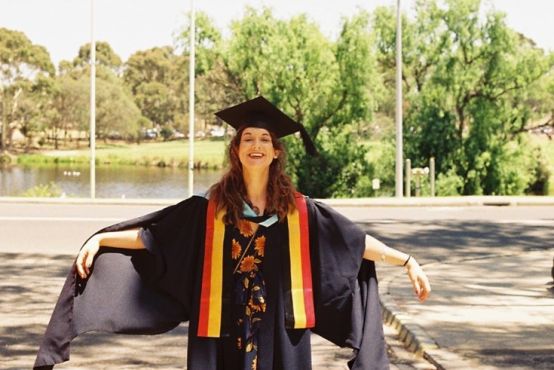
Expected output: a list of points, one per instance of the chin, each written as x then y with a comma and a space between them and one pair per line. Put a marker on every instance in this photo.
256, 165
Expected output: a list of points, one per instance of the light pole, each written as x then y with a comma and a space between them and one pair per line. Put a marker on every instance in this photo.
92, 104
399, 143
191, 98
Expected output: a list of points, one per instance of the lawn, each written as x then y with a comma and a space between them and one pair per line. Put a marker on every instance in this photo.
208, 154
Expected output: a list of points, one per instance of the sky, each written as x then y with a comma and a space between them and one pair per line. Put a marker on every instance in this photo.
62, 26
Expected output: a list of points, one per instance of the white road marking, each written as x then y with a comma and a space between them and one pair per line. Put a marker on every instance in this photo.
526, 222
521, 222
355, 219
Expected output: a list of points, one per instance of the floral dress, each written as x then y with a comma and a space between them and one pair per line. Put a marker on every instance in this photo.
247, 253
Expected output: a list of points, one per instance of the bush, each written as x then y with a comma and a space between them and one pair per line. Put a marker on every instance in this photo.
5, 158
449, 183
166, 133
50, 190
382, 158
542, 183
337, 171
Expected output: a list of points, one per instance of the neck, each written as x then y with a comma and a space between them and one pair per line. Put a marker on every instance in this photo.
256, 187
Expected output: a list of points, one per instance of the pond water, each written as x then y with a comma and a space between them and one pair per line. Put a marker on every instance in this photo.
111, 181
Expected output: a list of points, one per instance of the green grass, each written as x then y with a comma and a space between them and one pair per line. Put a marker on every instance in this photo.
208, 154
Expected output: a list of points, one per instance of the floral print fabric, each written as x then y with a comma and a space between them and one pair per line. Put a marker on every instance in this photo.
247, 252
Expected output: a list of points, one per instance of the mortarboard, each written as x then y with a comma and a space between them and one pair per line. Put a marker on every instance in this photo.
259, 112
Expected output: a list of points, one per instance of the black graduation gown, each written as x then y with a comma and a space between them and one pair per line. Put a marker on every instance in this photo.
152, 291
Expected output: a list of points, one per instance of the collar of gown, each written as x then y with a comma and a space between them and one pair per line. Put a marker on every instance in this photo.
250, 215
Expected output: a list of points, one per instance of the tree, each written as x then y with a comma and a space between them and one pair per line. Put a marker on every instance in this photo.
467, 82
157, 79
324, 85
211, 74
105, 57
21, 61
540, 103
116, 112
69, 105
35, 108
208, 42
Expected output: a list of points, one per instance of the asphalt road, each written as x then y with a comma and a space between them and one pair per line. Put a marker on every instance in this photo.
61, 228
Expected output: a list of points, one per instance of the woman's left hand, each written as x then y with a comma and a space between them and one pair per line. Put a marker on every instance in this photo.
419, 279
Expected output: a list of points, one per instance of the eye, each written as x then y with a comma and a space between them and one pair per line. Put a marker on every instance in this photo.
266, 140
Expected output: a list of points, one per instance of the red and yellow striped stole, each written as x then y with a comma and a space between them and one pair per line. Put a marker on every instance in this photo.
301, 291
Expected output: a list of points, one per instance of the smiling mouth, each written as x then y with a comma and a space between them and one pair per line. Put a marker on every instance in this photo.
255, 155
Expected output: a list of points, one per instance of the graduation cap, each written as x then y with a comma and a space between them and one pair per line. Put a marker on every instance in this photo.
259, 112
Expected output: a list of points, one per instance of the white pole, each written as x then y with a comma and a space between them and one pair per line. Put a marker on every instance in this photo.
92, 104
191, 98
398, 101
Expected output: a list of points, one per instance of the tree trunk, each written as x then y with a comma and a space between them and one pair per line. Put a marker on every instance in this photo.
461, 121
55, 138
28, 143
3, 148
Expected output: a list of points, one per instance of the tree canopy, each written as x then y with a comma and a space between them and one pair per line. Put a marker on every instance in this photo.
21, 62
467, 82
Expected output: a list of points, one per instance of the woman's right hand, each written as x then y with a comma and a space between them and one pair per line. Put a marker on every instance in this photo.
419, 279
86, 256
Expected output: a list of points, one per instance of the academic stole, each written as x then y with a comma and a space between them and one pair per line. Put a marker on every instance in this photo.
299, 301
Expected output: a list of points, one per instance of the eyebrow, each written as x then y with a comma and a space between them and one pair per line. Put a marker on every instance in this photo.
249, 133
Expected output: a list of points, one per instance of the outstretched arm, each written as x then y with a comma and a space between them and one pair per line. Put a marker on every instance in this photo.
377, 251
126, 239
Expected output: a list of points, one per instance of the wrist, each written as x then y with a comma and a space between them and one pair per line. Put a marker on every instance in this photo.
97, 239
411, 263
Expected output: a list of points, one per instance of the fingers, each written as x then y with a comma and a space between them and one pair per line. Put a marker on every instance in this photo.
80, 263
425, 287
420, 283
88, 262
426, 291
85, 258
417, 287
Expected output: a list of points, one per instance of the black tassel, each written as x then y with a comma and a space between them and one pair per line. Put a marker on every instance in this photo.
308, 143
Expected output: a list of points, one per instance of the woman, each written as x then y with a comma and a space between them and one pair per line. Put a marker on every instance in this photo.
254, 267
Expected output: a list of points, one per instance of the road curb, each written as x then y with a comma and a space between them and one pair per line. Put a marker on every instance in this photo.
460, 201
466, 201
414, 337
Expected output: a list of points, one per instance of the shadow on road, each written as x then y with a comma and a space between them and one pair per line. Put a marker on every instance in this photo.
456, 240
29, 287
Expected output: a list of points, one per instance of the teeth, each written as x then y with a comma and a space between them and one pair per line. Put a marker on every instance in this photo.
256, 155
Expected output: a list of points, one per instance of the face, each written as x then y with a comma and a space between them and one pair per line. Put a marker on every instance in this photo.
256, 148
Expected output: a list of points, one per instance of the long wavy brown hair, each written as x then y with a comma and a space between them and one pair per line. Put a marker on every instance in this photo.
230, 192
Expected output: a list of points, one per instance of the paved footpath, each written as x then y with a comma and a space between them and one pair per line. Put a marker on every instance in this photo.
492, 304
29, 286
489, 312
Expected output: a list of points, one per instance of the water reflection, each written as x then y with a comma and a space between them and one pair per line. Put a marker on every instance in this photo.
111, 182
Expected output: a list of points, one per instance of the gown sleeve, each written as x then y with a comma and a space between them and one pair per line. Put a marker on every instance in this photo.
130, 291
347, 306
